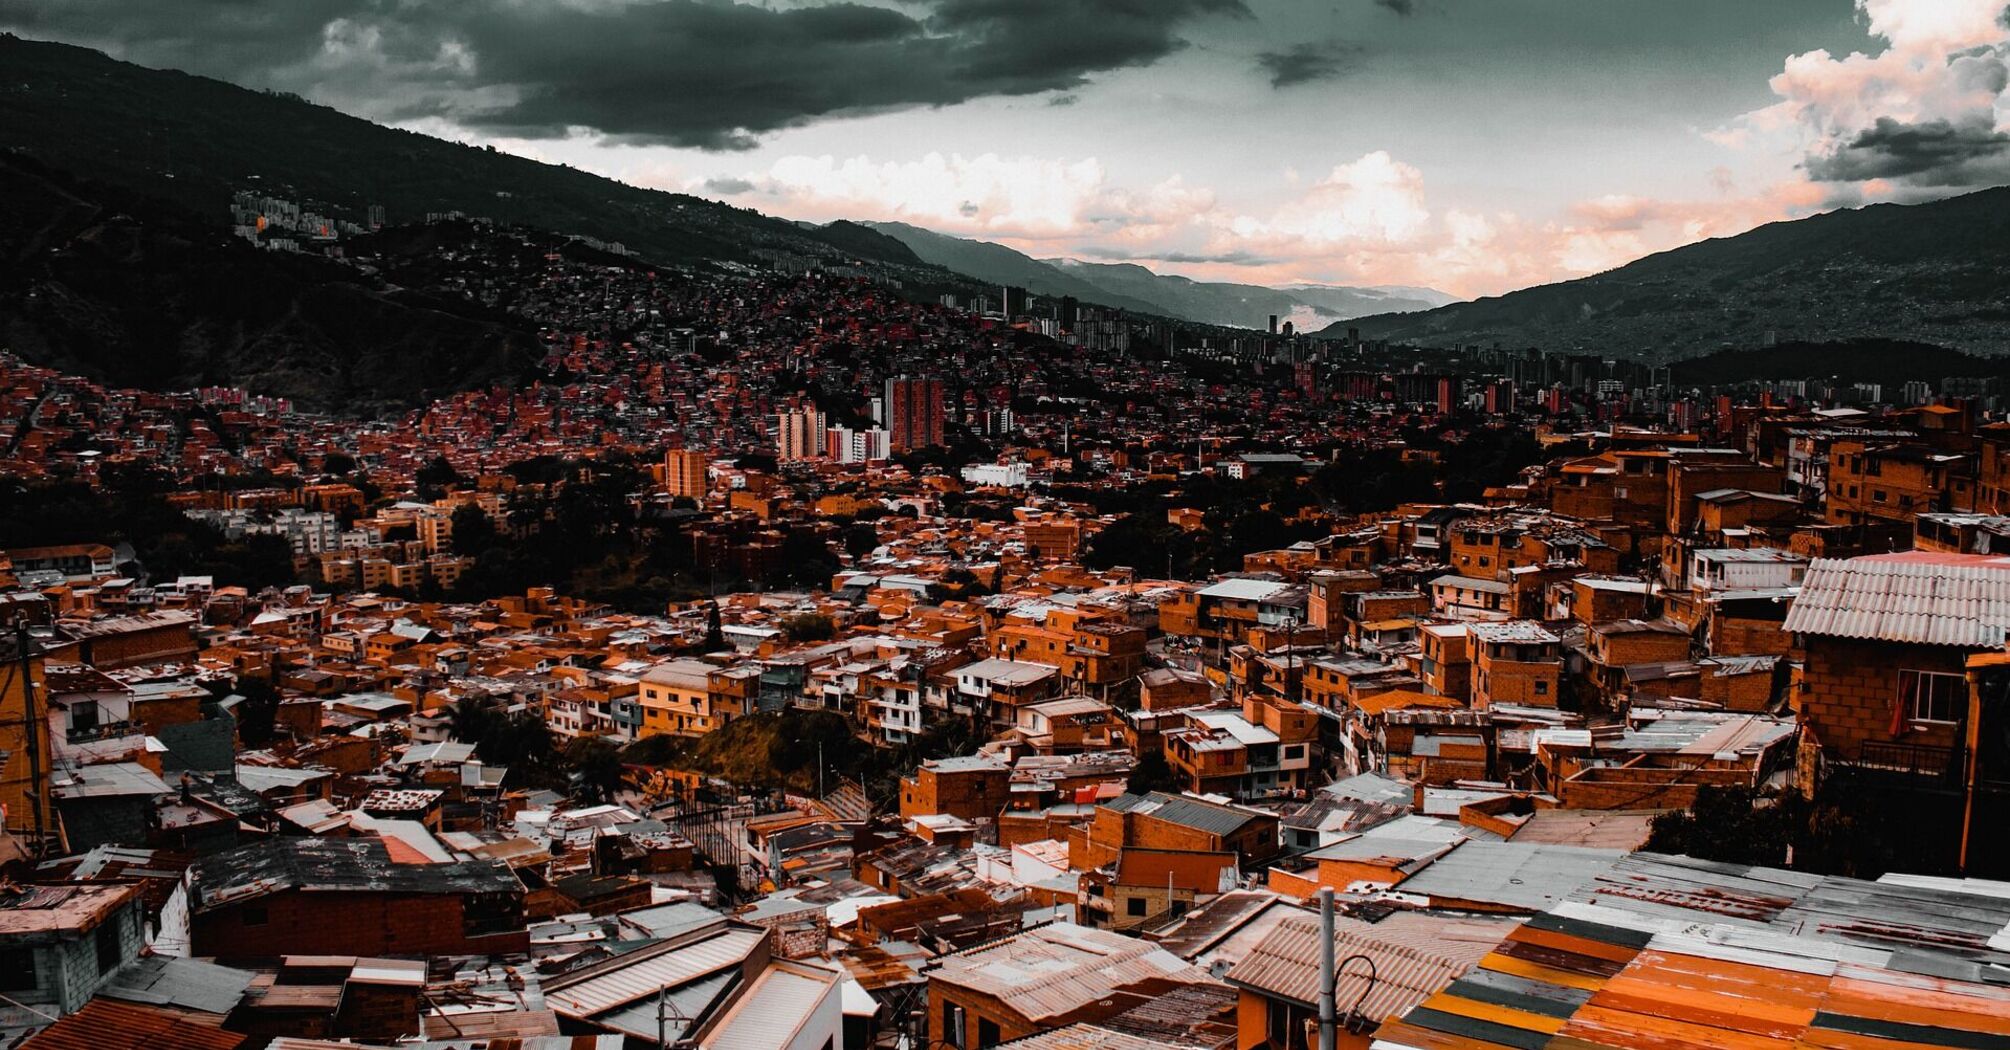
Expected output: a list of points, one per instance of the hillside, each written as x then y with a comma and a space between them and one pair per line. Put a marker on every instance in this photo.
1935, 273
997, 264
110, 284
1858, 361
194, 141
1132, 287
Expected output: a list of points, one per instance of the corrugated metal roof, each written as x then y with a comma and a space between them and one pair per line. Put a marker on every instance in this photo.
1416, 955
192, 984
1510, 874
1238, 589
682, 1007
1083, 1037
1051, 970
1186, 812
106, 1024
783, 999
1673, 951
629, 978
1960, 601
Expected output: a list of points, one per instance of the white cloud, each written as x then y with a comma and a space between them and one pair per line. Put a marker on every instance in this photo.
987, 194
1374, 198
1921, 110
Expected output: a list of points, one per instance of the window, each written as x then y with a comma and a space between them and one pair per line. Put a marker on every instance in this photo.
17, 970
1286, 1026
1134, 906
1931, 696
107, 938
1542, 689
987, 1032
952, 1025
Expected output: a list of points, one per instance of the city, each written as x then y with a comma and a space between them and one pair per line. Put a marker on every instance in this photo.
557, 613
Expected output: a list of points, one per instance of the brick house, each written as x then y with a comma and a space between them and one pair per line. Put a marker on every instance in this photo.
1886, 639
1149, 885
1444, 660
275, 897
973, 787
60, 944
1893, 482
1162, 821
1515, 663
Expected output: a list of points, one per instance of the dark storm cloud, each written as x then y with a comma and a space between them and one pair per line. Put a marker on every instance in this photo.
706, 73
1965, 152
727, 186
1406, 8
1306, 63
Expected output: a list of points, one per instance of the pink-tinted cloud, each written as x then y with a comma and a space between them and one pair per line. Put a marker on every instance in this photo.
1368, 221
1928, 111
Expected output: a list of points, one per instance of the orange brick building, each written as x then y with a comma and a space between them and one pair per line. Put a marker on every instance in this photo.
1886, 639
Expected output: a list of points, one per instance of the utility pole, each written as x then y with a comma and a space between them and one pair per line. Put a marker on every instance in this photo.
1290, 665
1328, 1027
30, 730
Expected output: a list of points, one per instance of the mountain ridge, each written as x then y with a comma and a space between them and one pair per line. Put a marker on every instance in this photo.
194, 141
1133, 286
1937, 272
127, 289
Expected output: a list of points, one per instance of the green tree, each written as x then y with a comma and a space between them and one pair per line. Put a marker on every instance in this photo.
1152, 773
256, 714
809, 627
435, 477
595, 764
474, 532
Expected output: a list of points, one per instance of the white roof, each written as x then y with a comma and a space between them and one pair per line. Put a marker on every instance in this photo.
1244, 731
637, 978
1006, 671
1512, 631
1935, 599
1243, 590
1468, 583
778, 1006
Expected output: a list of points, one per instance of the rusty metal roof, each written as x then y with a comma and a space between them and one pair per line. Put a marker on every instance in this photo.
1057, 968
107, 1024
1673, 951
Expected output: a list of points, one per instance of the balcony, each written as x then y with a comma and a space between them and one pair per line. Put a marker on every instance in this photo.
1927, 763
102, 731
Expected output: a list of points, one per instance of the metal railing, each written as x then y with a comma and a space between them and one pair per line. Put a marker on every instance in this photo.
1929, 761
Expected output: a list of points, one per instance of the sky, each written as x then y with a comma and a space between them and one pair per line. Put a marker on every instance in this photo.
1474, 146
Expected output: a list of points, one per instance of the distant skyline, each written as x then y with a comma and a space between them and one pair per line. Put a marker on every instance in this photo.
1470, 145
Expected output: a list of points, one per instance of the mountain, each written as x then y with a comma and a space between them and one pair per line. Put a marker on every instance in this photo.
1935, 273
135, 291
195, 141
1132, 287
1248, 305
999, 265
